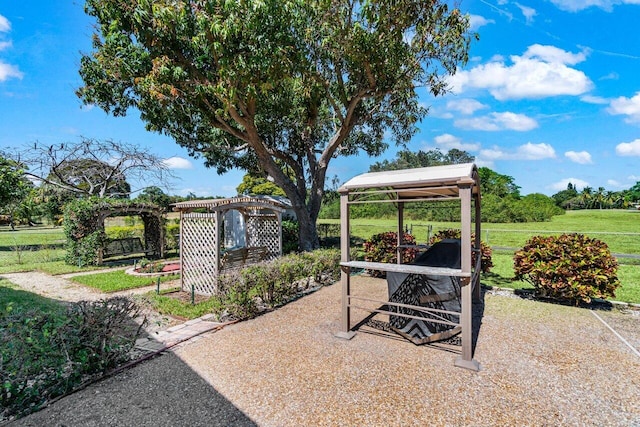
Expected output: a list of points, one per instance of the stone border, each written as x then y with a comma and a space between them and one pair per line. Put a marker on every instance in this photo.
131, 271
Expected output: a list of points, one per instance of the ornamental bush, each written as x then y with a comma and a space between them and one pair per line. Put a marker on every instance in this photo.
47, 354
570, 267
382, 247
486, 261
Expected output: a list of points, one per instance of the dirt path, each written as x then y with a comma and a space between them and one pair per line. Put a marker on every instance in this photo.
62, 289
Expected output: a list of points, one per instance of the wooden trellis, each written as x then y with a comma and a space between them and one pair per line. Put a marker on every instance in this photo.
202, 256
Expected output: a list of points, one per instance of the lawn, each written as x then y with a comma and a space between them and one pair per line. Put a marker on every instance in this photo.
620, 229
15, 300
118, 280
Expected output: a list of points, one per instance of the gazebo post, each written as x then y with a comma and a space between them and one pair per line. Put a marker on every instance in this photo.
345, 272
219, 219
465, 360
400, 232
478, 244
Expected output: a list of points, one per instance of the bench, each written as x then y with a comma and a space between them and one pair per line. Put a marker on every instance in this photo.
238, 258
124, 246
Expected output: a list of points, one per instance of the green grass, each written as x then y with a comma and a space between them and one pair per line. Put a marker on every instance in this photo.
619, 229
167, 305
14, 299
606, 225
114, 281
31, 236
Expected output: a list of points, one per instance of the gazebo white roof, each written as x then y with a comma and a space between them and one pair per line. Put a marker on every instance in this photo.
230, 203
434, 181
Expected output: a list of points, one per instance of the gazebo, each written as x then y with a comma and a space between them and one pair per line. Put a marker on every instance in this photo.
452, 182
218, 235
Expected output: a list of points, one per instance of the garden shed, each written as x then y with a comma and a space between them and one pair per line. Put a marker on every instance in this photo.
218, 235
432, 184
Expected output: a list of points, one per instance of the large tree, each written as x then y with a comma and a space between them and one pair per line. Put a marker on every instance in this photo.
278, 87
14, 187
90, 167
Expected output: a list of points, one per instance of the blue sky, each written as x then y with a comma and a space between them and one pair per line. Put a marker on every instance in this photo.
551, 95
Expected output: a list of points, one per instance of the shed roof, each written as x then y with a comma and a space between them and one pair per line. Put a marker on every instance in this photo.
230, 203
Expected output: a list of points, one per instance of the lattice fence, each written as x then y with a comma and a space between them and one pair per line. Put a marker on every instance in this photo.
199, 253
264, 230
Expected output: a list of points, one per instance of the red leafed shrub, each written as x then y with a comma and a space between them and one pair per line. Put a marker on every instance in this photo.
569, 267
452, 233
382, 248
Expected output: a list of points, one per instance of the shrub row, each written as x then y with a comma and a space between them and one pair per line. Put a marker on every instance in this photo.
245, 293
45, 355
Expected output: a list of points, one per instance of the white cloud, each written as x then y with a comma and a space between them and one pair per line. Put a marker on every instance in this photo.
531, 151
5, 25
465, 105
629, 107
497, 122
591, 99
633, 178
528, 151
528, 12
614, 183
611, 76
477, 21
578, 184
542, 71
448, 141
7, 71
582, 157
578, 5
178, 163
630, 149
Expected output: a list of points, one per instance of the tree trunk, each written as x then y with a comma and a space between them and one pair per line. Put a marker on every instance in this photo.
308, 236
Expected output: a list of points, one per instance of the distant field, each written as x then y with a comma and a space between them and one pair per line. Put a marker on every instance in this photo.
620, 229
37, 248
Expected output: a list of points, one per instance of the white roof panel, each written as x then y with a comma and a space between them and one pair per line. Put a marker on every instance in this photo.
433, 176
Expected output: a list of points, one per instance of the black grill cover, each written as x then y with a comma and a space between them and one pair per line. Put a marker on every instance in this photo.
439, 292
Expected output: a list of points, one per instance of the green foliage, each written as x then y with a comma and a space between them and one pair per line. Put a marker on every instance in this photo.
571, 267
171, 238
245, 293
531, 208
46, 354
382, 247
275, 87
154, 195
253, 184
486, 261
84, 229
491, 182
406, 159
124, 231
146, 266
290, 233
